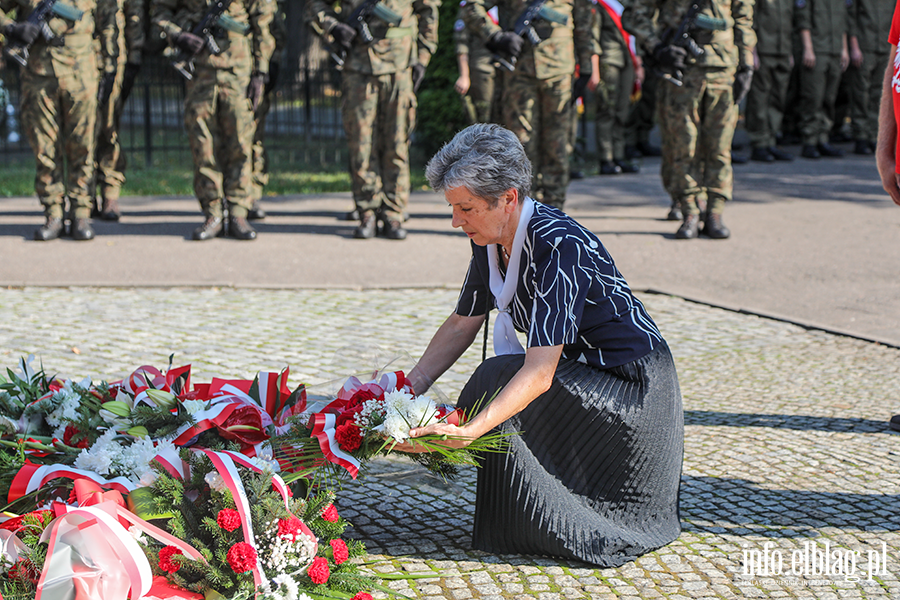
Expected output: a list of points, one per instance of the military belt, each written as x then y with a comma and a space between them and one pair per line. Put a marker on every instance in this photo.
394, 33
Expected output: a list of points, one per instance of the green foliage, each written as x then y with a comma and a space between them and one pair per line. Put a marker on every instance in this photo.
440, 114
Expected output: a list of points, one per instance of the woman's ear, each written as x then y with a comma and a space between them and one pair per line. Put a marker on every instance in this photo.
511, 200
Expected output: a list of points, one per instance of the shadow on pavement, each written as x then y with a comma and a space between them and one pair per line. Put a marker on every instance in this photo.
799, 422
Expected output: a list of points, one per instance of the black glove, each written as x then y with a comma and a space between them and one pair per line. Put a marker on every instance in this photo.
579, 87
189, 43
274, 70
671, 57
343, 35
131, 71
505, 42
418, 74
256, 88
742, 81
24, 32
105, 88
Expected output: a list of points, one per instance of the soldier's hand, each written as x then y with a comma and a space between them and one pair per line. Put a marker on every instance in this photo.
418, 74
24, 32
256, 89
505, 42
670, 56
189, 43
343, 35
742, 80
105, 88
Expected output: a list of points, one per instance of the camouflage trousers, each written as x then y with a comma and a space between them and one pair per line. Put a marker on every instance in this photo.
59, 115
818, 91
613, 99
696, 125
220, 125
379, 116
109, 160
481, 102
538, 111
767, 99
866, 83
260, 177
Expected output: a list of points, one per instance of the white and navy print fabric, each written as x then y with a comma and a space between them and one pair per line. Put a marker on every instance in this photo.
570, 293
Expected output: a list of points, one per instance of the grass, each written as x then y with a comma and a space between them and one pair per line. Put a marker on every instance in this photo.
175, 178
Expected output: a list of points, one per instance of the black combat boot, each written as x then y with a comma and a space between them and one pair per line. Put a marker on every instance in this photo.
52, 228
689, 229
240, 229
256, 213
210, 229
393, 230
714, 227
110, 210
81, 230
367, 226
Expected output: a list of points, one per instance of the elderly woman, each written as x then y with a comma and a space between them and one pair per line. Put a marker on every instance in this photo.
594, 473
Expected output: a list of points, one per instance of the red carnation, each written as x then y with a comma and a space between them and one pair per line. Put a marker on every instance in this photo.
165, 559
348, 436
318, 570
339, 549
289, 527
70, 433
359, 397
330, 514
362, 596
228, 519
241, 557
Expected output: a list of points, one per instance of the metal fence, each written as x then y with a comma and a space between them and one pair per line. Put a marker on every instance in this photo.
303, 126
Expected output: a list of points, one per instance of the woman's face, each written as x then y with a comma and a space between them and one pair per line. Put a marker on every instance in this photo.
484, 225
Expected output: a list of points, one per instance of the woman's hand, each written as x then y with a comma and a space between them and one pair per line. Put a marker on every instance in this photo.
459, 435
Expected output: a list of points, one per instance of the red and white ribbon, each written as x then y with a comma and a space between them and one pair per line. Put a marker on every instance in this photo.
324, 430
31, 477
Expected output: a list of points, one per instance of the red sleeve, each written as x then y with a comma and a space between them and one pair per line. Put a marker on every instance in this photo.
894, 36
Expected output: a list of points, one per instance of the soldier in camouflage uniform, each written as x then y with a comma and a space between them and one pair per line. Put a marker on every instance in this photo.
870, 24
59, 105
478, 82
109, 160
766, 101
219, 104
537, 94
697, 119
260, 156
378, 101
823, 57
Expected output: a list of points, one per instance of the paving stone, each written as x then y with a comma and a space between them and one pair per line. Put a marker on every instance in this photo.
786, 438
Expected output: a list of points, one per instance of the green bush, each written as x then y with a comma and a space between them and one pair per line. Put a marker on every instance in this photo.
440, 114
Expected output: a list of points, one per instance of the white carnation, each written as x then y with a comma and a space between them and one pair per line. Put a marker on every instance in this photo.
215, 481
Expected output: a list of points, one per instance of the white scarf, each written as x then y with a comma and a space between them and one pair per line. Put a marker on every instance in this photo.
505, 340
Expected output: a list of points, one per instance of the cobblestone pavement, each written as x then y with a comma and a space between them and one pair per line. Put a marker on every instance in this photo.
788, 458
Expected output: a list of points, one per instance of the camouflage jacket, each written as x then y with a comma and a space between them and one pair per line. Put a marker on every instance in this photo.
129, 24
413, 40
562, 46
827, 22
175, 16
773, 21
613, 51
652, 22
870, 23
76, 37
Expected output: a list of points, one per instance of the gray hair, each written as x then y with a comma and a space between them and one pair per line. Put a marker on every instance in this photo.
484, 158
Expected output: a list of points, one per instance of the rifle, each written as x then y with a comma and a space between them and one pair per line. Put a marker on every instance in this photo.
214, 17
17, 50
524, 27
692, 20
358, 20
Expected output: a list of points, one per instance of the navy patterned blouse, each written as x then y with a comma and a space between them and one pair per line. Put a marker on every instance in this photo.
570, 293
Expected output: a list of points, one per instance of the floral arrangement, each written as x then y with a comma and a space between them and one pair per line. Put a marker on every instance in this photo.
226, 499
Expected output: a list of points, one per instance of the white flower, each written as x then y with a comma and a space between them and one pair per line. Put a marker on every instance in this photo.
421, 411
137, 534
148, 478
193, 406
394, 426
286, 586
216, 482
103, 457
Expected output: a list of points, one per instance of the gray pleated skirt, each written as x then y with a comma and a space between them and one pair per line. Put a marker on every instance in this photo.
594, 474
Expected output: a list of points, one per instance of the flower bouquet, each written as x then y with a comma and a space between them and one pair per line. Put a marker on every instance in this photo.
366, 419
